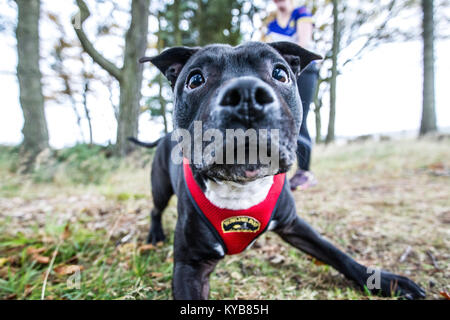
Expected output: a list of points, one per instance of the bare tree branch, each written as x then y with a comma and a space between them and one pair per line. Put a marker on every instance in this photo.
87, 45
379, 34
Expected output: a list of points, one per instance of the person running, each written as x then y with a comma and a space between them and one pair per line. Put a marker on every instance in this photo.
295, 24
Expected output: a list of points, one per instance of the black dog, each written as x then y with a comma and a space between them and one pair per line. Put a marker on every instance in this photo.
251, 86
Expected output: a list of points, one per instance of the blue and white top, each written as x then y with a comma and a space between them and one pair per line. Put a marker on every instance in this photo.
289, 33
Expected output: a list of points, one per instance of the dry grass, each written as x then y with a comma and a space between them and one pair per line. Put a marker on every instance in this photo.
374, 200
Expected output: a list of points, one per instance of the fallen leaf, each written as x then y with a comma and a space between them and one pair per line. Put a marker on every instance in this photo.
277, 259
158, 288
4, 272
3, 261
127, 248
67, 233
68, 269
291, 288
156, 274
11, 296
236, 275
33, 250
40, 259
315, 261
318, 262
445, 295
436, 166
72, 260
146, 247
47, 239
28, 290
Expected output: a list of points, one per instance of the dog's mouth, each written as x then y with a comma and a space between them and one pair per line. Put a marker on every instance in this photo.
242, 172
237, 173
246, 161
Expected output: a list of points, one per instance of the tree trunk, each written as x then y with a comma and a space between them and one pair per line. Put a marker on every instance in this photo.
428, 123
73, 102
86, 110
162, 104
176, 23
130, 76
35, 132
131, 79
160, 47
317, 107
318, 126
334, 73
201, 41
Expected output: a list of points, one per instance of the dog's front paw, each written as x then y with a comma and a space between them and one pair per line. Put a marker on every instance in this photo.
390, 285
156, 234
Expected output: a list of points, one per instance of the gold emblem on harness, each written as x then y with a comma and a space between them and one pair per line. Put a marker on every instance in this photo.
240, 224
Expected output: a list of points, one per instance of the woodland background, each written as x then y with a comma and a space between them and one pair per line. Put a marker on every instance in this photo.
73, 218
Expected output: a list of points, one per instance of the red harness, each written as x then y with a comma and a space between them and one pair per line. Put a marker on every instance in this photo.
235, 228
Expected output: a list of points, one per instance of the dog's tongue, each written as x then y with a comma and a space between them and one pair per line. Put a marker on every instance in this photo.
251, 174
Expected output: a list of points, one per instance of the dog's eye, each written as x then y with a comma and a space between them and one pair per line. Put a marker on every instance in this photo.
195, 80
280, 74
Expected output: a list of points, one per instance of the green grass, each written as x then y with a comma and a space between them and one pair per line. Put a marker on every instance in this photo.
373, 201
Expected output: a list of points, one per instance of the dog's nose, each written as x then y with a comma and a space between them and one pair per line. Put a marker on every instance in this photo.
248, 95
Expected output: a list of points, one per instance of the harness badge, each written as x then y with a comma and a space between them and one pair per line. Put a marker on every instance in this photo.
240, 224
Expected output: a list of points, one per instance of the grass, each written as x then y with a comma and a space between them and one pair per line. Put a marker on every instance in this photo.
374, 200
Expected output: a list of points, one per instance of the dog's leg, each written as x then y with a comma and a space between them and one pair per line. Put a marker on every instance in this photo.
299, 234
191, 279
156, 233
161, 192
195, 256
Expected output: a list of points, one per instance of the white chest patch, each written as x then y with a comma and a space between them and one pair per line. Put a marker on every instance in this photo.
238, 196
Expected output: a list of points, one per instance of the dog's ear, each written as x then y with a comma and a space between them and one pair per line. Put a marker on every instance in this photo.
297, 57
171, 61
